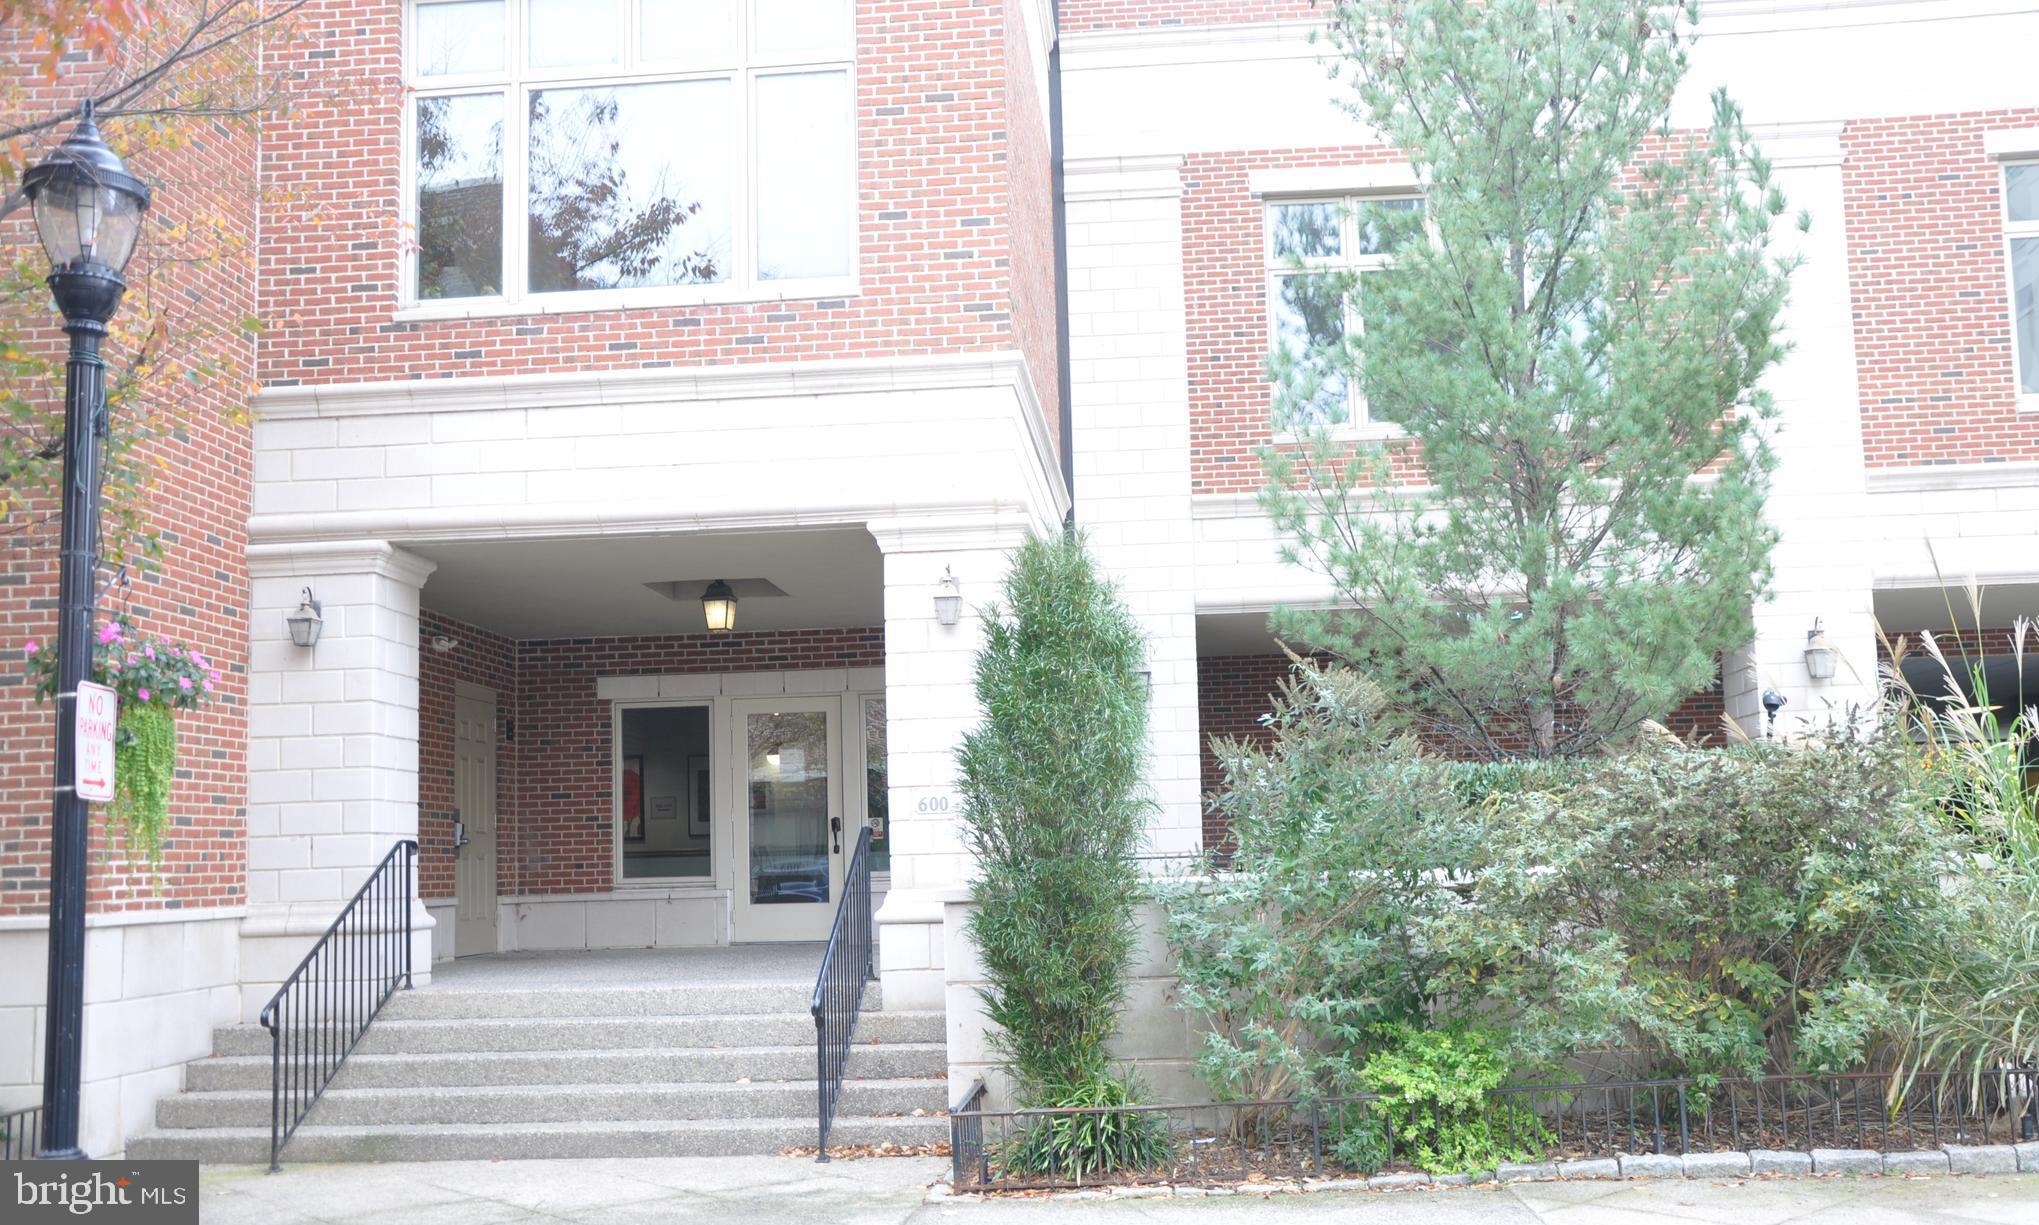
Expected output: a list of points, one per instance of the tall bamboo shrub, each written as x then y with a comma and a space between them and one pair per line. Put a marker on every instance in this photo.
1054, 809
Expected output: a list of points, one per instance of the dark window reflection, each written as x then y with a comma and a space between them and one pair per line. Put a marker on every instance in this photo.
460, 196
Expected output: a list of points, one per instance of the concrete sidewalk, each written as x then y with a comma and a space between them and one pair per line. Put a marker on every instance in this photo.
776, 1190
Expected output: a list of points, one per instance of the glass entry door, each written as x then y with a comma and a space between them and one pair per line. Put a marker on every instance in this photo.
790, 829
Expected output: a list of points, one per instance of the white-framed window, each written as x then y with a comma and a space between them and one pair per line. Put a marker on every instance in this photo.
2021, 260
1317, 248
571, 154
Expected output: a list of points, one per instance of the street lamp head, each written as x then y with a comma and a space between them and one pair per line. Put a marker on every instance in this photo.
88, 213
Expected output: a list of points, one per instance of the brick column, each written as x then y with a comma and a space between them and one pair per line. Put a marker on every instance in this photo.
1130, 406
332, 746
930, 704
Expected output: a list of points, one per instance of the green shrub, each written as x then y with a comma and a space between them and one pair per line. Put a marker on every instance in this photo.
1053, 810
1718, 911
1480, 783
1078, 1146
1434, 1086
1295, 953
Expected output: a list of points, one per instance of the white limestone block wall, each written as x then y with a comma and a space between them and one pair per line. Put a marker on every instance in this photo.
156, 985
332, 746
1130, 407
1156, 1039
1818, 496
930, 705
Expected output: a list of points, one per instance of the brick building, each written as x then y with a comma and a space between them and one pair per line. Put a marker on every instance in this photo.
784, 315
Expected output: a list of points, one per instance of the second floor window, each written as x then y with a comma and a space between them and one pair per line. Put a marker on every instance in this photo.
2021, 234
1317, 249
643, 149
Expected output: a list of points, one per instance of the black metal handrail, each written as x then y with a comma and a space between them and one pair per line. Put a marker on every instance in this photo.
21, 1134
320, 1012
846, 965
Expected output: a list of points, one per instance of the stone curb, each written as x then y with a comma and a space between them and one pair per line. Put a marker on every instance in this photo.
1953, 1159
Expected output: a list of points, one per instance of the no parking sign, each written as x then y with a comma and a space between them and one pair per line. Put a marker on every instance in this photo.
98, 709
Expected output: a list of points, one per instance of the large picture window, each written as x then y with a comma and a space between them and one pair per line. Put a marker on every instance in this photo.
2021, 237
634, 150
1316, 250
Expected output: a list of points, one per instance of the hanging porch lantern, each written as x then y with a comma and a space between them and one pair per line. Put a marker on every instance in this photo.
718, 605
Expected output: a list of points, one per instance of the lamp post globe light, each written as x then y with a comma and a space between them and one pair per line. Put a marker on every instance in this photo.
88, 212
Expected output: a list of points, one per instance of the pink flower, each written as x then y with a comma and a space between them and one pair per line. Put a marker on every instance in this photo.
149, 651
197, 660
184, 682
109, 633
113, 665
143, 694
130, 656
208, 686
213, 675
31, 648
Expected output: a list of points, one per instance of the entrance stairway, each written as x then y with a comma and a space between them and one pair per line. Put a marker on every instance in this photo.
572, 1069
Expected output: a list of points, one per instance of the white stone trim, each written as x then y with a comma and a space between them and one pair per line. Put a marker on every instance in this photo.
1154, 176
2011, 142
1376, 178
941, 532
939, 372
1952, 476
468, 689
125, 918
313, 558
1146, 46
1800, 145
654, 687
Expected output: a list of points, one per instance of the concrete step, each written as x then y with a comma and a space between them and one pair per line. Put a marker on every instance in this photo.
606, 1067
396, 1036
514, 1141
557, 1104
725, 999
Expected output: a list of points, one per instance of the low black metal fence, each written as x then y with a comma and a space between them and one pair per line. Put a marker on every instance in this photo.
1288, 1139
21, 1134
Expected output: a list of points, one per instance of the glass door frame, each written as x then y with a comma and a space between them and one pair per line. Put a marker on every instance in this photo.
752, 923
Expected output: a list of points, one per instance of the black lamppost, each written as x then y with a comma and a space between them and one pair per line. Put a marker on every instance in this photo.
88, 212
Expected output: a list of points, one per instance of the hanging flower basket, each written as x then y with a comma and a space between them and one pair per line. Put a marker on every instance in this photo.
155, 678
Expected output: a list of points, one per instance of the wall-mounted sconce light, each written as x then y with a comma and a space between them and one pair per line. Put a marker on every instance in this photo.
306, 622
718, 604
442, 644
1147, 683
948, 598
1773, 702
1820, 655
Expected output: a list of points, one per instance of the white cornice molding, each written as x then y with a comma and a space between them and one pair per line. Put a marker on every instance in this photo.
580, 389
1945, 477
323, 557
1151, 176
991, 529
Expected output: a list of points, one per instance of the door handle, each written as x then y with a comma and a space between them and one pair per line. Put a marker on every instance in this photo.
835, 829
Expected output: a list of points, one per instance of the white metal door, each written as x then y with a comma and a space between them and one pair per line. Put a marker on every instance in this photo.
474, 811
786, 761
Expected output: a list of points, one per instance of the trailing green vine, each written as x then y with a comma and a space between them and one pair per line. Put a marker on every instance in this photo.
154, 677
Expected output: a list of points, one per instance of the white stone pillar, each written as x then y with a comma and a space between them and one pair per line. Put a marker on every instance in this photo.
1819, 496
332, 746
1130, 404
930, 705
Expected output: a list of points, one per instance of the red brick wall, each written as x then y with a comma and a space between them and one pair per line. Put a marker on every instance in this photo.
563, 842
1224, 277
1932, 306
1031, 213
482, 658
937, 183
193, 271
